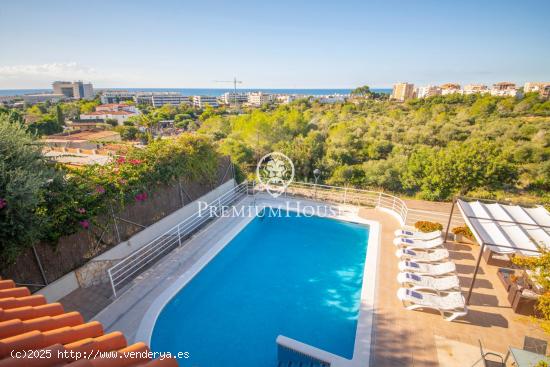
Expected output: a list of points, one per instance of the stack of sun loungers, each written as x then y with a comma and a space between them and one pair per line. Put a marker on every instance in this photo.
427, 277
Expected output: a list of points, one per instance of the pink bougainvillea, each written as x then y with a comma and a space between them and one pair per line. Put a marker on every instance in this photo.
142, 196
81, 210
136, 161
100, 189
121, 160
84, 224
3, 203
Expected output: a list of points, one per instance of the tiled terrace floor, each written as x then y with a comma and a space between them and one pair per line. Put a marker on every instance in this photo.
408, 338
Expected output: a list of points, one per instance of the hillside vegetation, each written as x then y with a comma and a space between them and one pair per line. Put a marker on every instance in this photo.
429, 148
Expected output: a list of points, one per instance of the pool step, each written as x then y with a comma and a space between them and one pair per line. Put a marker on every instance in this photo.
301, 364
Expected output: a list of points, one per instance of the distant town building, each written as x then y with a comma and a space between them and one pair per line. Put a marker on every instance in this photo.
8, 99
114, 111
119, 116
545, 93
531, 87
402, 91
331, 99
203, 101
42, 97
475, 88
428, 91
80, 148
259, 98
504, 89
450, 88
230, 97
285, 98
159, 99
116, 96
76, 90
116, 107
81, 139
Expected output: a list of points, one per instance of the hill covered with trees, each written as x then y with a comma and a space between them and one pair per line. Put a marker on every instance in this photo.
429, 148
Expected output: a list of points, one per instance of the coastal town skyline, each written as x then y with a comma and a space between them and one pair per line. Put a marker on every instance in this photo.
276, 46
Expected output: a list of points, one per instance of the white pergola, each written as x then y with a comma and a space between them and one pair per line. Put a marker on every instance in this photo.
503, 228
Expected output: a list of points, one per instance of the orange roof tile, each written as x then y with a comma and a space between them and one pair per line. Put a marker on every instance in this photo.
28, 323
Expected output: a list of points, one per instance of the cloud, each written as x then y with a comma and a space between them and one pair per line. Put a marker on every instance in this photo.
42, 75
69, 70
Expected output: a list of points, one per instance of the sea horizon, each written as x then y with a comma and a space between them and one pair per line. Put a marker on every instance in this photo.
215, 92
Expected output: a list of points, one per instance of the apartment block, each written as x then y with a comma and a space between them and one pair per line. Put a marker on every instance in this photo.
403, 91
231, 97
159, 99
531, 87
504, 89
259, 98
203, 101
42, 97
450, 88
475, 88
75, 90
428, 91
116, 96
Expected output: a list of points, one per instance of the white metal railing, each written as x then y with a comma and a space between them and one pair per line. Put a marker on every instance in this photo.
346, 195
128, 268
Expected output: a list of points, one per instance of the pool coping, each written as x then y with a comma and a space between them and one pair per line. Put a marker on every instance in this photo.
363, 336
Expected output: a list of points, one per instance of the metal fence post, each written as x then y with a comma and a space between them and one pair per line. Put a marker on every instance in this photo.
40, 265
345, 194
112, 283
114, 221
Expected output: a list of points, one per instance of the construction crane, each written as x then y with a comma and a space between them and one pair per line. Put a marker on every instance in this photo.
234, 82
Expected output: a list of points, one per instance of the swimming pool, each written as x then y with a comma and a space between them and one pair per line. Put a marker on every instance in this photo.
296, 276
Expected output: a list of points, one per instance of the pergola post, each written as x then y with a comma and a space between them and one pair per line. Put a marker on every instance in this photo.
450, 218
475, 273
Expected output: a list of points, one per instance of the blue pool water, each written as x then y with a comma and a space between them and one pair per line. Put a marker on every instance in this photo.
293, 275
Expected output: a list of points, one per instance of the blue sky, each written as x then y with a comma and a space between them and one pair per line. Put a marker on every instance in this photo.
272, 44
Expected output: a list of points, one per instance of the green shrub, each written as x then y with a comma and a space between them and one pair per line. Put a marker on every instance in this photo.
41, 201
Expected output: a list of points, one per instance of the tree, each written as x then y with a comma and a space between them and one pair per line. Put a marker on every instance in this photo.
111, 122
59, 115
24, 177
363, 92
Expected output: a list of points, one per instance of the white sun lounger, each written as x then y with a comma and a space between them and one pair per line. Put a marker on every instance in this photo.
417, 235
418, 244
435, 270
417, 281
436, 255
450, 305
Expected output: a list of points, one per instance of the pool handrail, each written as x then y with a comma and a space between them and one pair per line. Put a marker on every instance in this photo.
132, 265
